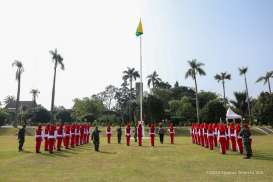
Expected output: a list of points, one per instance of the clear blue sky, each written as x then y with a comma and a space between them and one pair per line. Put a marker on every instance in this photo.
96, 39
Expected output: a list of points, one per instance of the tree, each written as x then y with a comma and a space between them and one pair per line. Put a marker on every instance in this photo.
221, 78
176, 85
205, 97
64, 115
262, 109
19, 71
40, 115
153, 79
132, 75
87, 106
194, 70
243, 72
153, 108
3, 117
35, 93
57, 60
9, 99
213, 111
108, 95
266, 79
240, 102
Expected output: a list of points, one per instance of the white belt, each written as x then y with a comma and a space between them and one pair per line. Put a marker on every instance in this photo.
210, 134
205, 133
152, 133
38, 136
67, 134
222, 136
239, 137
233, 135
72, 133
50, 137
77, 134
171, 132
46, 135
59, 135
127, 134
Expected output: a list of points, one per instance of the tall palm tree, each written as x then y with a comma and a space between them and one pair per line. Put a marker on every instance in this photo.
243, 71
132, 75
154, 79
194, 70
57, 60
9, 99
35, 93
18, 74
266, 79
222, 77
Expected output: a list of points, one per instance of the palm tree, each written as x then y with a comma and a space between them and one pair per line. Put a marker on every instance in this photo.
9, 99
154, 79
132, 75
240, 102
57, 60
243, 71
35, 93
194, 70
222, 77
18, 74
266, 79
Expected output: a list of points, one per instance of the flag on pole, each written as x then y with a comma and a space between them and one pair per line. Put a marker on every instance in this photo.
139, 30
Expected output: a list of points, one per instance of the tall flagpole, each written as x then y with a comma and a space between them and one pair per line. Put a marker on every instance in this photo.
141, 86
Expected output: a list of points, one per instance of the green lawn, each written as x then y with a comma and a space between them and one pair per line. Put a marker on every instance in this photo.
180, 162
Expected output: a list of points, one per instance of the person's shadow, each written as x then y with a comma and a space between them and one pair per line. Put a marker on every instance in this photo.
263, 156
105, 152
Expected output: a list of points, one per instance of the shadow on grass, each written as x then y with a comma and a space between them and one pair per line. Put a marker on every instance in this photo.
105, 152
263, 156
27, 152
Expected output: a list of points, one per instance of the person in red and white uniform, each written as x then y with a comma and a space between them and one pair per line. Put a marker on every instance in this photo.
66, 136
232, 136
171, 132
59, 137
39, 138
88, 132
215, 133
227, 136
239, 139
210, 136
109, 133
152, 134
222, 138
72, 135
128, 134
205, 135
46, 136
77, 134
192, 133
139, 134
51, 138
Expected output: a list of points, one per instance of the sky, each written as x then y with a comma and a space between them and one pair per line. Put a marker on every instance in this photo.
97, 40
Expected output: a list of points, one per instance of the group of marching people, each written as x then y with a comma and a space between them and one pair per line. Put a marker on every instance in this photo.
66, 135
210, 135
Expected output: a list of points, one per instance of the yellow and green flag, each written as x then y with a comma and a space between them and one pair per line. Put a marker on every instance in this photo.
139, 30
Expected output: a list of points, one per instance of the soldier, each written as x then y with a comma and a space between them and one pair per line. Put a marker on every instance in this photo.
21, 137
81, 134
210, 136
135, 133
192, 133
85, 134
139, 134
245, 134
59, 137
215, 133
205, 135
88, 132
46, 136
109, 133
96, 138
232, 136
51, 139
239, 138
152, 134
39, 138
77, 133
161, 133
201, 133
128, 134
222, 138
171, 132
72, 134
66, 136
227, 136
119, 133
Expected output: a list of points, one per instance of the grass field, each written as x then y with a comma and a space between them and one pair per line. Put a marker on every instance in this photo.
182, 161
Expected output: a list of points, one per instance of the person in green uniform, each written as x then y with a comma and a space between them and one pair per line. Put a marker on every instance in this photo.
21, 137
245, 134
119, 134
135, 133
96, 138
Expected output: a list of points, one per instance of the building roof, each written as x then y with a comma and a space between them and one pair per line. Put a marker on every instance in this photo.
25, 104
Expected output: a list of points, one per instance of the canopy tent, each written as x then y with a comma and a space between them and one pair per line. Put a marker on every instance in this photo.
232, 115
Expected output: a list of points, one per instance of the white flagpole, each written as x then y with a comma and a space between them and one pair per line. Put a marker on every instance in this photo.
141, 85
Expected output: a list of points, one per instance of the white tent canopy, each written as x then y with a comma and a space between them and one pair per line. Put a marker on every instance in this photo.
232, 115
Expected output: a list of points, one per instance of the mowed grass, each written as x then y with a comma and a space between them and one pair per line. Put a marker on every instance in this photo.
182, 161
